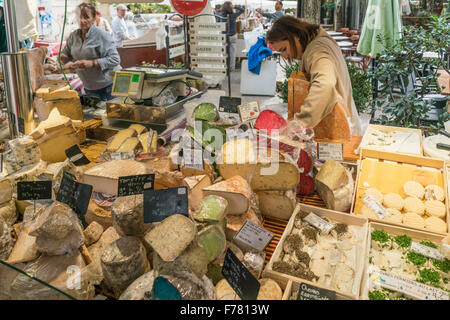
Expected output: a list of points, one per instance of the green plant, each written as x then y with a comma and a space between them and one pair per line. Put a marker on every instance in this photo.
329, 6
283, 89
402, 59
362, 87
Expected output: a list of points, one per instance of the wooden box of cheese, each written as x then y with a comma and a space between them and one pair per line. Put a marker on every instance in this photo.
388, 172
347, 219
293, 286
409, 144
416, 236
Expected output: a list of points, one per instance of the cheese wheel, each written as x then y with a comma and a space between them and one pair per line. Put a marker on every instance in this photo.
435, 224
394, 216
393, 200
375, 193
413, 220
434, 192
434, 208
414, 189
413, 204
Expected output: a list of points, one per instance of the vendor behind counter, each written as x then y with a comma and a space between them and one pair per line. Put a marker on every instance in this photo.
322, 60
92, 53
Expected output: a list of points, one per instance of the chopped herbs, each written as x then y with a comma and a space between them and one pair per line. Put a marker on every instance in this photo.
370, 260
380, 236
416, 259
429, 244
444, 266
403, 241
429, 276
377, 295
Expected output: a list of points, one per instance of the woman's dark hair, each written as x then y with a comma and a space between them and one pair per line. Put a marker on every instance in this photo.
288, 27
86, 7
227, 8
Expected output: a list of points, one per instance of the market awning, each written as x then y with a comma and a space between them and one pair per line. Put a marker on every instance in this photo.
382, 18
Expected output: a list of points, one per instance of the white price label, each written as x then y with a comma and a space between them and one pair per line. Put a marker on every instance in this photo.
426, 251
330, 151
319, 223
193, 158
218, 26
411, 288
375, 206
176, 39
254, 236
177, 51
207, 49
249, 111
129, 155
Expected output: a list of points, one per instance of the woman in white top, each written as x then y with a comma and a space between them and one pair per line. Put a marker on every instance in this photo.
102, 23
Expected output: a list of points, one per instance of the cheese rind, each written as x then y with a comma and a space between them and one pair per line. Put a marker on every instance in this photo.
92, 233
196, 185
171, 236
6, 191
277, 204
123, 261
128, 215
138, 128
335, 186
8, 213
193, 260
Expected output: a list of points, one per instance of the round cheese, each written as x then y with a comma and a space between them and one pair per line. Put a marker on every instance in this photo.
413, 220
435, 224
434, 208
393, 200
413, 204
434, 192
394, 216
414, 189
375, 193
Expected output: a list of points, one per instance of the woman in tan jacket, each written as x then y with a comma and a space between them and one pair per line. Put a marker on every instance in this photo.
322, 60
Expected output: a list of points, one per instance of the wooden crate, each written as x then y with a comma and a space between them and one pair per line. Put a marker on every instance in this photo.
392, 230
388, 172
373, 127
283, 279
293, 286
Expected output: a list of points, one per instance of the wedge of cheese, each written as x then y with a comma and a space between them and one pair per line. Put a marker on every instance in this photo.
235, 223
236, 191
196, 185
62, 93
104, 177
277, 204
120, 138
139, 128
147, 145
335, 186
53, 148
130, 144
54, 122
265, 169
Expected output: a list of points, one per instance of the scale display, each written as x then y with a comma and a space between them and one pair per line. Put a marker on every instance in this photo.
122, 84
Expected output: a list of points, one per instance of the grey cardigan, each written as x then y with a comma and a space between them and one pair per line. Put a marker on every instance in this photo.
98, 45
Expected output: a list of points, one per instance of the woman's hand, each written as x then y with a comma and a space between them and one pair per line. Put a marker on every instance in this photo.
84, 64
69, 66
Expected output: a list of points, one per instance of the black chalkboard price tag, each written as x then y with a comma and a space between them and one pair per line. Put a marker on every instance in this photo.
131, 185
160, 204
229, 104
76, 156
34, 190
76, 195
308, 292
240, 279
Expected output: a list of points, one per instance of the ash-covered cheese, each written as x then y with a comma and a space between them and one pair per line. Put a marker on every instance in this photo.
128, 215
123, 261
141, 288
